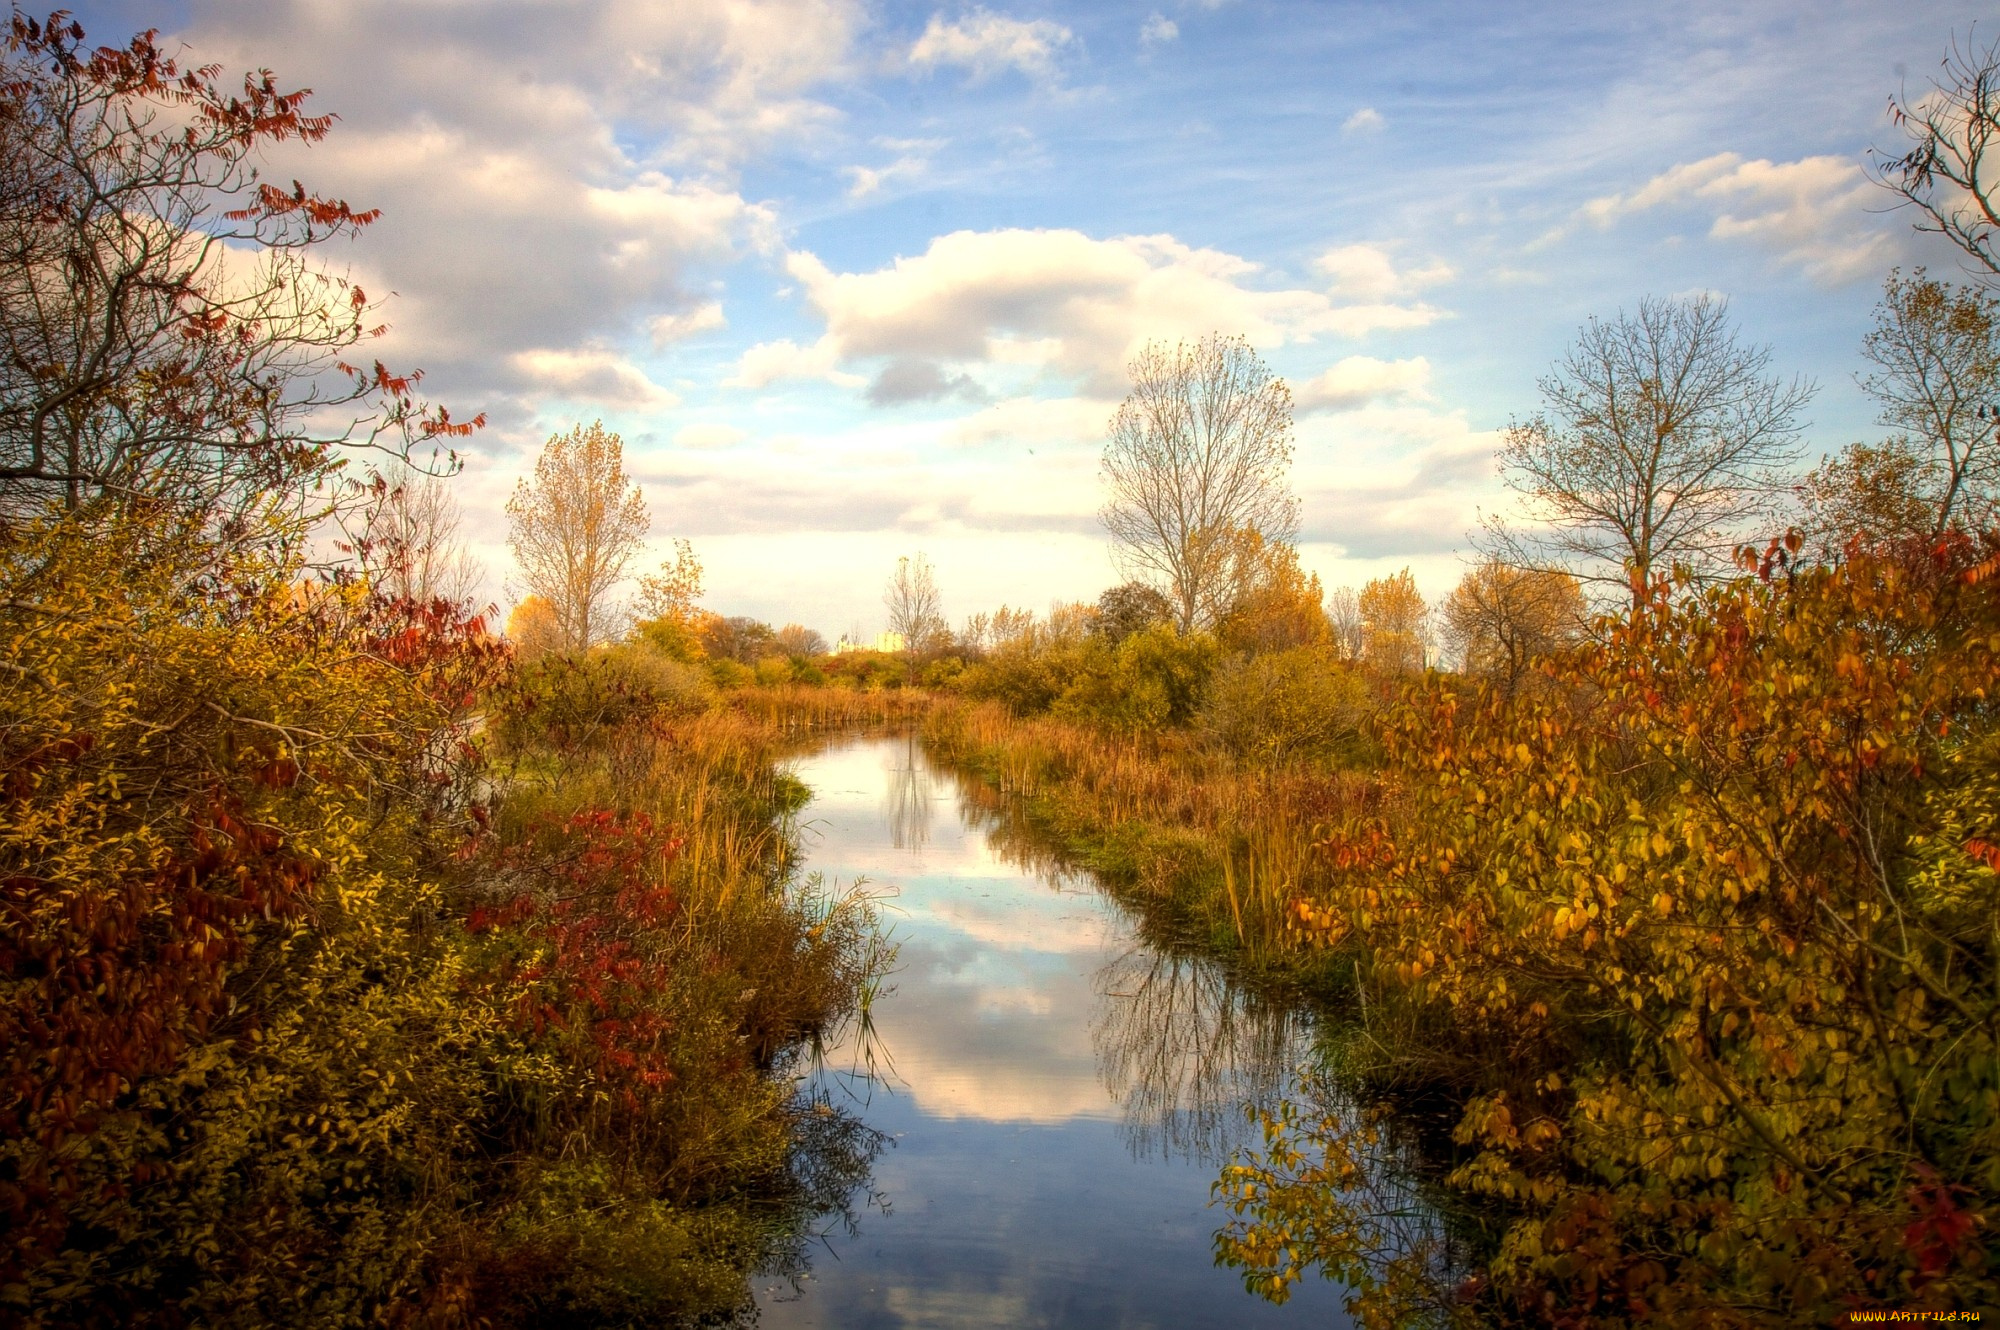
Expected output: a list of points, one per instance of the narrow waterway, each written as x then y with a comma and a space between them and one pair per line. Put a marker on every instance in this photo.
1057, 1093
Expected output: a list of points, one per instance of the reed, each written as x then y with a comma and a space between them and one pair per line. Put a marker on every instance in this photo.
1228, 847
805, 710
754, 970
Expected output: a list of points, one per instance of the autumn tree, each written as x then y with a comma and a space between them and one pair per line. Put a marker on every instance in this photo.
1393, 618
1499, 620
576, 529
916, 610
410, 543
1198, 455
1708, 931
796, 639
1662, 438
1870, 491
301, 1006
163, 335
1277, 603
1006, 627
1128, 608
533, 628
675, 591
1936, 373
737, 637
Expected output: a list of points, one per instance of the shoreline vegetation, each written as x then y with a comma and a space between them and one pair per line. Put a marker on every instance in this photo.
1685, 935
364, 965
388, 1018
355, 970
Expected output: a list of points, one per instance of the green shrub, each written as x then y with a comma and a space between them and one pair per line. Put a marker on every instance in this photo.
1152, 678
727, 674
569, 703
1299, 704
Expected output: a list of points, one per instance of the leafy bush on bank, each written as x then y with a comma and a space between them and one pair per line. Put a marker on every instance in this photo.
1703, 941
314, 1017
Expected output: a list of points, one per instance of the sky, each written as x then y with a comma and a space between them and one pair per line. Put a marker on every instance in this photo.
859, 280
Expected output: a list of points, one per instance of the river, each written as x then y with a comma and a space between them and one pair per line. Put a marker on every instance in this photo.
1057, 1094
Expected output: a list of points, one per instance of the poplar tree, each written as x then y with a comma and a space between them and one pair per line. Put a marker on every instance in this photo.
575, 530
1197, 462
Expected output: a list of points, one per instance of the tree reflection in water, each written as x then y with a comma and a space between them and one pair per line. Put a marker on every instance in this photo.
1199, 1062
1185, 1048
908, 794
828, 1183
1187, 1052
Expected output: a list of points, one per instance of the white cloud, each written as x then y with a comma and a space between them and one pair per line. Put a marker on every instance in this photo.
1158, 30
522, 164
1369, 273
594, 374
987, 44
1367, 120
913, 158
670, 328
1054, 423
1062, 302
1813, 212
1355, 381
908, 379
867, 180
1395, 482
768, 362
498, 248
708, 434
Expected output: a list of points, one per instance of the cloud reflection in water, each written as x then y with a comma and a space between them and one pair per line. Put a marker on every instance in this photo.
1061, 1087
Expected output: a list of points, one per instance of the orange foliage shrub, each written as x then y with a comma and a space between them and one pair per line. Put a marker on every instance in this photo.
1703, 938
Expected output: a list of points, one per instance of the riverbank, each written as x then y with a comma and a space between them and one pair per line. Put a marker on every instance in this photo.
1218, 851
348, 981
718, 973
1554, 917
1062, 1085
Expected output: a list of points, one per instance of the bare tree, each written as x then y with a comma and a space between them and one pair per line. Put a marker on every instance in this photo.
1184, 1050
1952, 170
916, 611
973, 639
411, 547
796, 639
1662, 437
1198, 455
575, 530
1349, 625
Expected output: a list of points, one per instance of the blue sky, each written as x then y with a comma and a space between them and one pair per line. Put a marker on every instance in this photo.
859, 280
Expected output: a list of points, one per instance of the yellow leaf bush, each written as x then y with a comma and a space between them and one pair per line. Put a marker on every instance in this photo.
307, 1022
1702, 935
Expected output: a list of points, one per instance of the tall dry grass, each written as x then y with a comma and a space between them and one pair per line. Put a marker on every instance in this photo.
1229, 846
717, 780
775, 963
806, 710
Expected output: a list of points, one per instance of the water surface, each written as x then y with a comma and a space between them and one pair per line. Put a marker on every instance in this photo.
1058, 1093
